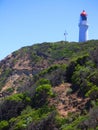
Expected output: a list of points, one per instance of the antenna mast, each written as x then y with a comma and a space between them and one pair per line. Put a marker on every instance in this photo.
65, 34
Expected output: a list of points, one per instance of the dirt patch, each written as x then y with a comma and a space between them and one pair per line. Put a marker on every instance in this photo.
67, 103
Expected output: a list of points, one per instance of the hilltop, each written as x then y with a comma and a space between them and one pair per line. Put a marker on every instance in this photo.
50, 86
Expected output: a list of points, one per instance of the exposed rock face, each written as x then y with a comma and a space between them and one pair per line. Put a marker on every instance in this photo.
17, 70
19, 67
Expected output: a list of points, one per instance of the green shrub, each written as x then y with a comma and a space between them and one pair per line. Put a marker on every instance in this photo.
10, 90
80, 79
4, 125
60, 121
80, 73
16, 97
42, 92
93, 77
45, 89
93, 93
19, 97
74, 124
28, 116
43, 81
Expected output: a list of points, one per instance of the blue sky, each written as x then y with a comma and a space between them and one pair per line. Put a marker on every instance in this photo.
26, 22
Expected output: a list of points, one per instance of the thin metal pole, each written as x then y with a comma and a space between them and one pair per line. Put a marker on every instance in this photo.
65, 34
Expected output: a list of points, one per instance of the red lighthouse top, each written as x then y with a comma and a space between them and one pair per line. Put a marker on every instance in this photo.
83, 15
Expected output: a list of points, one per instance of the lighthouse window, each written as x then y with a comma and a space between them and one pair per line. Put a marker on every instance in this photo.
84, 17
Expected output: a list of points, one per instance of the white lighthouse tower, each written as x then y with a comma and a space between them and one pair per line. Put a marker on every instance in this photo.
83, 27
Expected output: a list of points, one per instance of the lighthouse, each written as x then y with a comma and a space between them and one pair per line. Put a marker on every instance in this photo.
83, 27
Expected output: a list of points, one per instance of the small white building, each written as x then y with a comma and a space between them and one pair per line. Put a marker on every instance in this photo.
83, 27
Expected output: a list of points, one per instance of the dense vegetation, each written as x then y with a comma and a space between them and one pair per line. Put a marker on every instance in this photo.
28, 78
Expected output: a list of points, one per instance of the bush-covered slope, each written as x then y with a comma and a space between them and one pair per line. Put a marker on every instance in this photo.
50, 86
